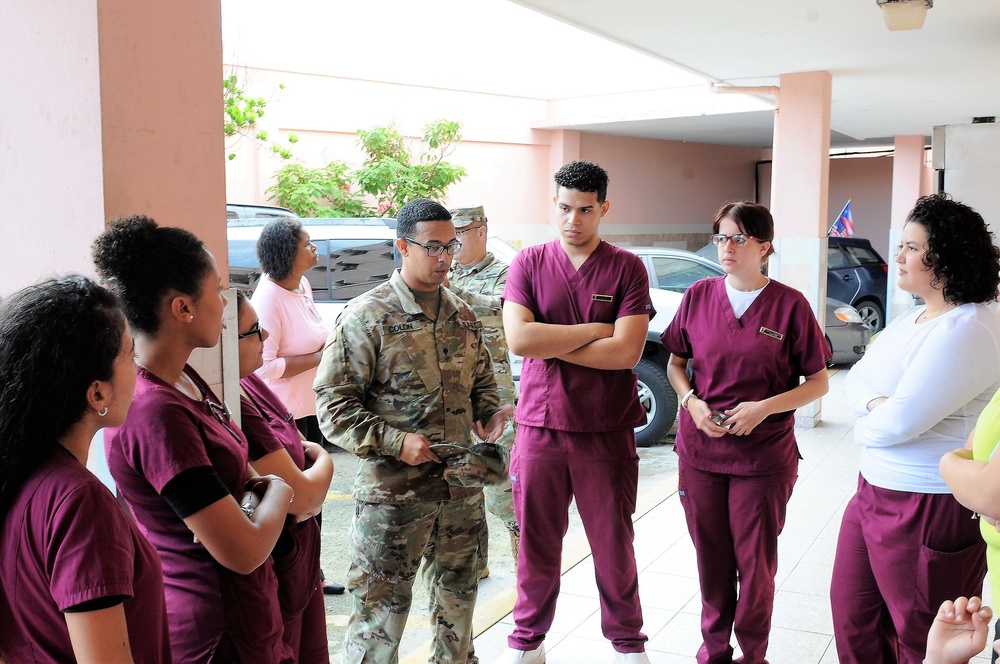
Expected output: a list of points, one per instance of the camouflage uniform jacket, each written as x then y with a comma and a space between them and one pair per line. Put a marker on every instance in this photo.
481, 286
389, 370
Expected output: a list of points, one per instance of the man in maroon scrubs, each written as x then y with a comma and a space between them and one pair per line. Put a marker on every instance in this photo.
577, 309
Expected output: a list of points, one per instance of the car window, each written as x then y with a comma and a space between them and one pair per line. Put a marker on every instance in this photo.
346, 268
357, 266
836, 259
676, 274
863, 255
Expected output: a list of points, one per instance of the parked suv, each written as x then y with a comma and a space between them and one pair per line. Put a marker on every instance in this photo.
355, 255
855, 273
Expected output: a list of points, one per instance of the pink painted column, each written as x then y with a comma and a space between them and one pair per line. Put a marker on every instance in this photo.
109, 107
799, 193
909, 182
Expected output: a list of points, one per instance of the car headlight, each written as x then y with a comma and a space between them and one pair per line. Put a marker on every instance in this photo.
848, 314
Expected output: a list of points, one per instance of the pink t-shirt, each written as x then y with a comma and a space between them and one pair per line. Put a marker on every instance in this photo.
66, 541
294, 327
611, 284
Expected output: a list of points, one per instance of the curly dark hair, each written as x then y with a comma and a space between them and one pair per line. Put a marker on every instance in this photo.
584, 176
753, 219
56, 338
960, 249
417, 210
142, 262
277, 245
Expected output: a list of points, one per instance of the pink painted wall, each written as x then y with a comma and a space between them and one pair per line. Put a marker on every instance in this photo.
867, 182
669, 182
50, 140
670, 187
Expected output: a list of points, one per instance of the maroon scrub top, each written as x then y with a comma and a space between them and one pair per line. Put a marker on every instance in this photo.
269, 427
165, 434
64, 541
732, 360
611, 284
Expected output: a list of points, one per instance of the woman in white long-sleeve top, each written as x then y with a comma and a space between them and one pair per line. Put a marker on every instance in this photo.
905, 544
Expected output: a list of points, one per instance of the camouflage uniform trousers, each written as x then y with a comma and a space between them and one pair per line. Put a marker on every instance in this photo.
387, 542
499, 500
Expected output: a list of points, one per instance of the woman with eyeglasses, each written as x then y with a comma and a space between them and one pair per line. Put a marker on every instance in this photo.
180, 462
905, 543
746, 352
276, 447
78, 581
296, 333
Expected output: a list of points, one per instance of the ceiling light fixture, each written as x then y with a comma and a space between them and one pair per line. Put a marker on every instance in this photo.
904, 14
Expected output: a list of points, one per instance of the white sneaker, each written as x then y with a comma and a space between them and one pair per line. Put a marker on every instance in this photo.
630, 658
513, 656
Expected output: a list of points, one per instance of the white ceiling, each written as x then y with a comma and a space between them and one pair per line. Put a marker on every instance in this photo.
884, 83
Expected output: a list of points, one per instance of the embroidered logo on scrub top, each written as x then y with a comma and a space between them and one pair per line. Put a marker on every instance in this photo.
603, 298
771, 333
398, 328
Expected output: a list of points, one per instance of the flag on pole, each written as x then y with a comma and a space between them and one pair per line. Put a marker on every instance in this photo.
844, 226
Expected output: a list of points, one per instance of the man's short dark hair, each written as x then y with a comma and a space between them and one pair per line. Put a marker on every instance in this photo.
584, 176
417, 210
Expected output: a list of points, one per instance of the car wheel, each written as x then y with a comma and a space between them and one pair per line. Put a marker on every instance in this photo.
871, 314
659, 401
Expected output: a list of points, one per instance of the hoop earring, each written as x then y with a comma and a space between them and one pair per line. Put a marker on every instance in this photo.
102, 413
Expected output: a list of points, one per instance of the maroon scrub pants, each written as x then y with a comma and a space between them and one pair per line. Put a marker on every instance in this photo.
899, 555
734, 522
601, 470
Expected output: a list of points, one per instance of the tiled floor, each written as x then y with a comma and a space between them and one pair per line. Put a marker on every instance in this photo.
802, 631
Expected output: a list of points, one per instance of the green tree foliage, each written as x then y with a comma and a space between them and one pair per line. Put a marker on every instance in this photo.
394, 176
317, 192
240, 115
391, 175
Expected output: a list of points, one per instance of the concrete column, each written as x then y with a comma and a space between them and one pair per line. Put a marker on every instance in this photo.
163, 143
908, 181
799, 193
108, 108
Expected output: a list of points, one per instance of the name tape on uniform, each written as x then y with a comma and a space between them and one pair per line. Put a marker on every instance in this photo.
771, 333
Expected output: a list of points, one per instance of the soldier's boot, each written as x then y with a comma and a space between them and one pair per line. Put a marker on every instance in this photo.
485, 573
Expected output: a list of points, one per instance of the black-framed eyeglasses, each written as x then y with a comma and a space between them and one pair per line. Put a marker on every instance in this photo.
435, 250
739, 239
256, 329
462, 231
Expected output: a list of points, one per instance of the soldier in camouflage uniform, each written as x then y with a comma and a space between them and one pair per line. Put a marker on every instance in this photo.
477, 272
406, 366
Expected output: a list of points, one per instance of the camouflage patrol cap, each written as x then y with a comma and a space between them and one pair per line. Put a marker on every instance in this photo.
483, 464
463, 217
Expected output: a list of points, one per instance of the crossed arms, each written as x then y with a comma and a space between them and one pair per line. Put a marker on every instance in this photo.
615, 345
